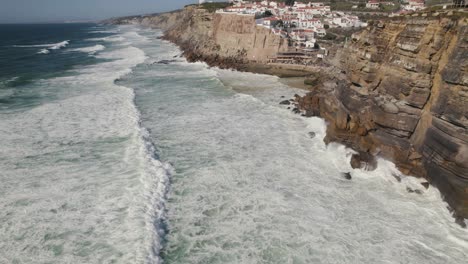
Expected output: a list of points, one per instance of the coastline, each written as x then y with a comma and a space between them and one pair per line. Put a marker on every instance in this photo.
360, 104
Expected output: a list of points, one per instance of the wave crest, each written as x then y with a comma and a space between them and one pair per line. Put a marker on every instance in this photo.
92, 49
47, 47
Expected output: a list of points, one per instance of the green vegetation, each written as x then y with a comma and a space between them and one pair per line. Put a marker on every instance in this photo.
343, 5
212, 7
438, 2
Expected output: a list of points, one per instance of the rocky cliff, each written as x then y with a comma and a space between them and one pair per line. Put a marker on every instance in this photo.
223, 40
398, 90
402, 93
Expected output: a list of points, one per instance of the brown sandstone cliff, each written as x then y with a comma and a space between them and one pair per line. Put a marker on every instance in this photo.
399, 91
222, 40
403, 94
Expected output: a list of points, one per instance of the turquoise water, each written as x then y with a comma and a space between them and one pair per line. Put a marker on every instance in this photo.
111, 156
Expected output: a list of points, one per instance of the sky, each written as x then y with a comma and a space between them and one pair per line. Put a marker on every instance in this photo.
28, 11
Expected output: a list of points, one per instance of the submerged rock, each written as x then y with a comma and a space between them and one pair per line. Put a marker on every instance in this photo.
165, 61
461, 221
312, 134
285, 102
363, 161
425, 184
397, 177
410, 190
347, 175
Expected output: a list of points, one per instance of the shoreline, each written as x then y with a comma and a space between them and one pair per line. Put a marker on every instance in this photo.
356, 93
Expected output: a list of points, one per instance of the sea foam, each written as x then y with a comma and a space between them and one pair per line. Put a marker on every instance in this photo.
108, 192
91, 50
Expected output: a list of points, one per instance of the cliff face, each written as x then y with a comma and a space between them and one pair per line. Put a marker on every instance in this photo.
224, 40
399, 91
403, 95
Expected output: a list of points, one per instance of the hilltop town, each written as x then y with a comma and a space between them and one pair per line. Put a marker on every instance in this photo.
303, 22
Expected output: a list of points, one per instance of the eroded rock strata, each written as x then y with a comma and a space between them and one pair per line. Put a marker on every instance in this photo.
402, 94
397, 90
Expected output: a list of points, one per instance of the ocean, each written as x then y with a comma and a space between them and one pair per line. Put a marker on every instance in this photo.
115, 149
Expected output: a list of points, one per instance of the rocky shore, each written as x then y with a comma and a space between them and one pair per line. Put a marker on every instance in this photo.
401, 92
398, 90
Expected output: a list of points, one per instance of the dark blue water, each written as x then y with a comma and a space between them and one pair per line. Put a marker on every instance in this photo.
21, 60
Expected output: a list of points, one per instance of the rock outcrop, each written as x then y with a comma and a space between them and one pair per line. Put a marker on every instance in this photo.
220, 39
398, 89
402, 93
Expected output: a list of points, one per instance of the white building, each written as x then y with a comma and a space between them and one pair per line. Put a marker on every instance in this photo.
373, 4
415, 5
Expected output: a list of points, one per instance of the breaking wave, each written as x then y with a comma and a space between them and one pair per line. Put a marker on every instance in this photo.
91, 50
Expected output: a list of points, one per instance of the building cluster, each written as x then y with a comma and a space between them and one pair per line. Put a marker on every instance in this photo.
302, 23
414, 5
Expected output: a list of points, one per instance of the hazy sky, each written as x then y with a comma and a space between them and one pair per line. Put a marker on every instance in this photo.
20, 11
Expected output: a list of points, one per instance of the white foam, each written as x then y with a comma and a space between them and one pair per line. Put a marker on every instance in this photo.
108, 190
253, 187
60, 45
43, 51
91, 50
51, 46
104, 31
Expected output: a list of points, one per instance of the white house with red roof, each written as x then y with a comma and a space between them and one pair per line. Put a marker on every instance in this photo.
373, 4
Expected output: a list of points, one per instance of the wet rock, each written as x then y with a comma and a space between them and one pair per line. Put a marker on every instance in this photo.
414, 156
346, 175
282, 96
363, 161
410, 190
289, 107
460, 221
296, 110
285, 102
397, 177
165, 61
312, 134
425, 184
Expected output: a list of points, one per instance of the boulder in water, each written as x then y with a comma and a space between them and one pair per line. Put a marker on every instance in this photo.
397, 177
425, 184
312, 134
363, 160
285, 102
346, 175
